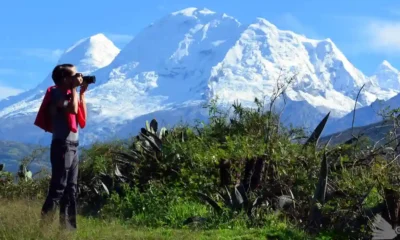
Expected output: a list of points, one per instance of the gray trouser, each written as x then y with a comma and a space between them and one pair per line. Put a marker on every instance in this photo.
63, 183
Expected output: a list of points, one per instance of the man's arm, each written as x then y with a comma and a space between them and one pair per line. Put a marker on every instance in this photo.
83, 102
70, 106
73, 105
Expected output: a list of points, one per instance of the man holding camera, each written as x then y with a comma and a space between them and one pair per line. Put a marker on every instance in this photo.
64, 107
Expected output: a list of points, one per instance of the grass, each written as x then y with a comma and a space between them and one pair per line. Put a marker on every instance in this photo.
20, 220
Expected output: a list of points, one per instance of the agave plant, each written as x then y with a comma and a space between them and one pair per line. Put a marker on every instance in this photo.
257, 175
316, 134
236, 200
4, 176
149, 140
143, 158
244, 196
326, 192
24, 174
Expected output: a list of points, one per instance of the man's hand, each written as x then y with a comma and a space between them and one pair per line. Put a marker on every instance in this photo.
83, 89
77, 81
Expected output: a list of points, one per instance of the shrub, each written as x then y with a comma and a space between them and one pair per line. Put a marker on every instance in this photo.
242, 168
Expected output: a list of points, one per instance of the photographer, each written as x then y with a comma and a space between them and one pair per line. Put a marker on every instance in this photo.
65, 110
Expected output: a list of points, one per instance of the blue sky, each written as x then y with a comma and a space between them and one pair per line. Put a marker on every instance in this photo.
35, 33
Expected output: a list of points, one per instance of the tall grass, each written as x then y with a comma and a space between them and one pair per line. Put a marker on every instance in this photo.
20, 220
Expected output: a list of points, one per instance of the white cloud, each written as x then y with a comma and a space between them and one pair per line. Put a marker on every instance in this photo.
383, 36
51, 55
8, 91
367, 34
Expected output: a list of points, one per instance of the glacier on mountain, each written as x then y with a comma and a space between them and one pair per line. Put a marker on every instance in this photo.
388, 78
175, 65
89, 55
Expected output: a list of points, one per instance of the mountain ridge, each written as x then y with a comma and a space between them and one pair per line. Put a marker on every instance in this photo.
85, 54
191, 56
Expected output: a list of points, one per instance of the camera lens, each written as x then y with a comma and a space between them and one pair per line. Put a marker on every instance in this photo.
89, 79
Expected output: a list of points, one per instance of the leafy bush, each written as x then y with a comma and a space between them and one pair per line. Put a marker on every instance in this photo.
242, 168
23, 184
155, 207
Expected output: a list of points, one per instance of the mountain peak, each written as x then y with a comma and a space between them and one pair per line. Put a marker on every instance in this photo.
386, 66
387, 76
91, 53
265, 22
198, 14
328, 40
190, 56
192, 11
98, 36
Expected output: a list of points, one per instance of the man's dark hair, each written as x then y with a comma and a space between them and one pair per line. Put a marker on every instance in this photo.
60, 72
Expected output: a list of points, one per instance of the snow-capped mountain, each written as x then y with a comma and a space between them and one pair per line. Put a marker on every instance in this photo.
188, 57
387, 76
17, 113
89, 55
373, 113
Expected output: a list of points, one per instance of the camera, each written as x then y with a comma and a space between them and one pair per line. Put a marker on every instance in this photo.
89, 79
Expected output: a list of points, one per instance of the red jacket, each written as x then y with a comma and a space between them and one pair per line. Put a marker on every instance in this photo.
43, 118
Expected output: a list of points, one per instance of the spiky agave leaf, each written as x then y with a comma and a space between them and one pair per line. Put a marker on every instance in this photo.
144, 144
317, 131
257, 174
238, 198
118, 173
154, 126
320, 192
195, 220
137, 144
229, 198
257, 202
225, 177
149, 154
248, 173
240, 188
162, 133
28, 175
292, 196
155, 138
104, 187
23, 173
225, 197
151, 142
148, 126
284, 201
128, 157
210, 201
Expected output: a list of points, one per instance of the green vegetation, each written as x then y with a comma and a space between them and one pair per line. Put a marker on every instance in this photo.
12, 152
241, 176
19, 220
